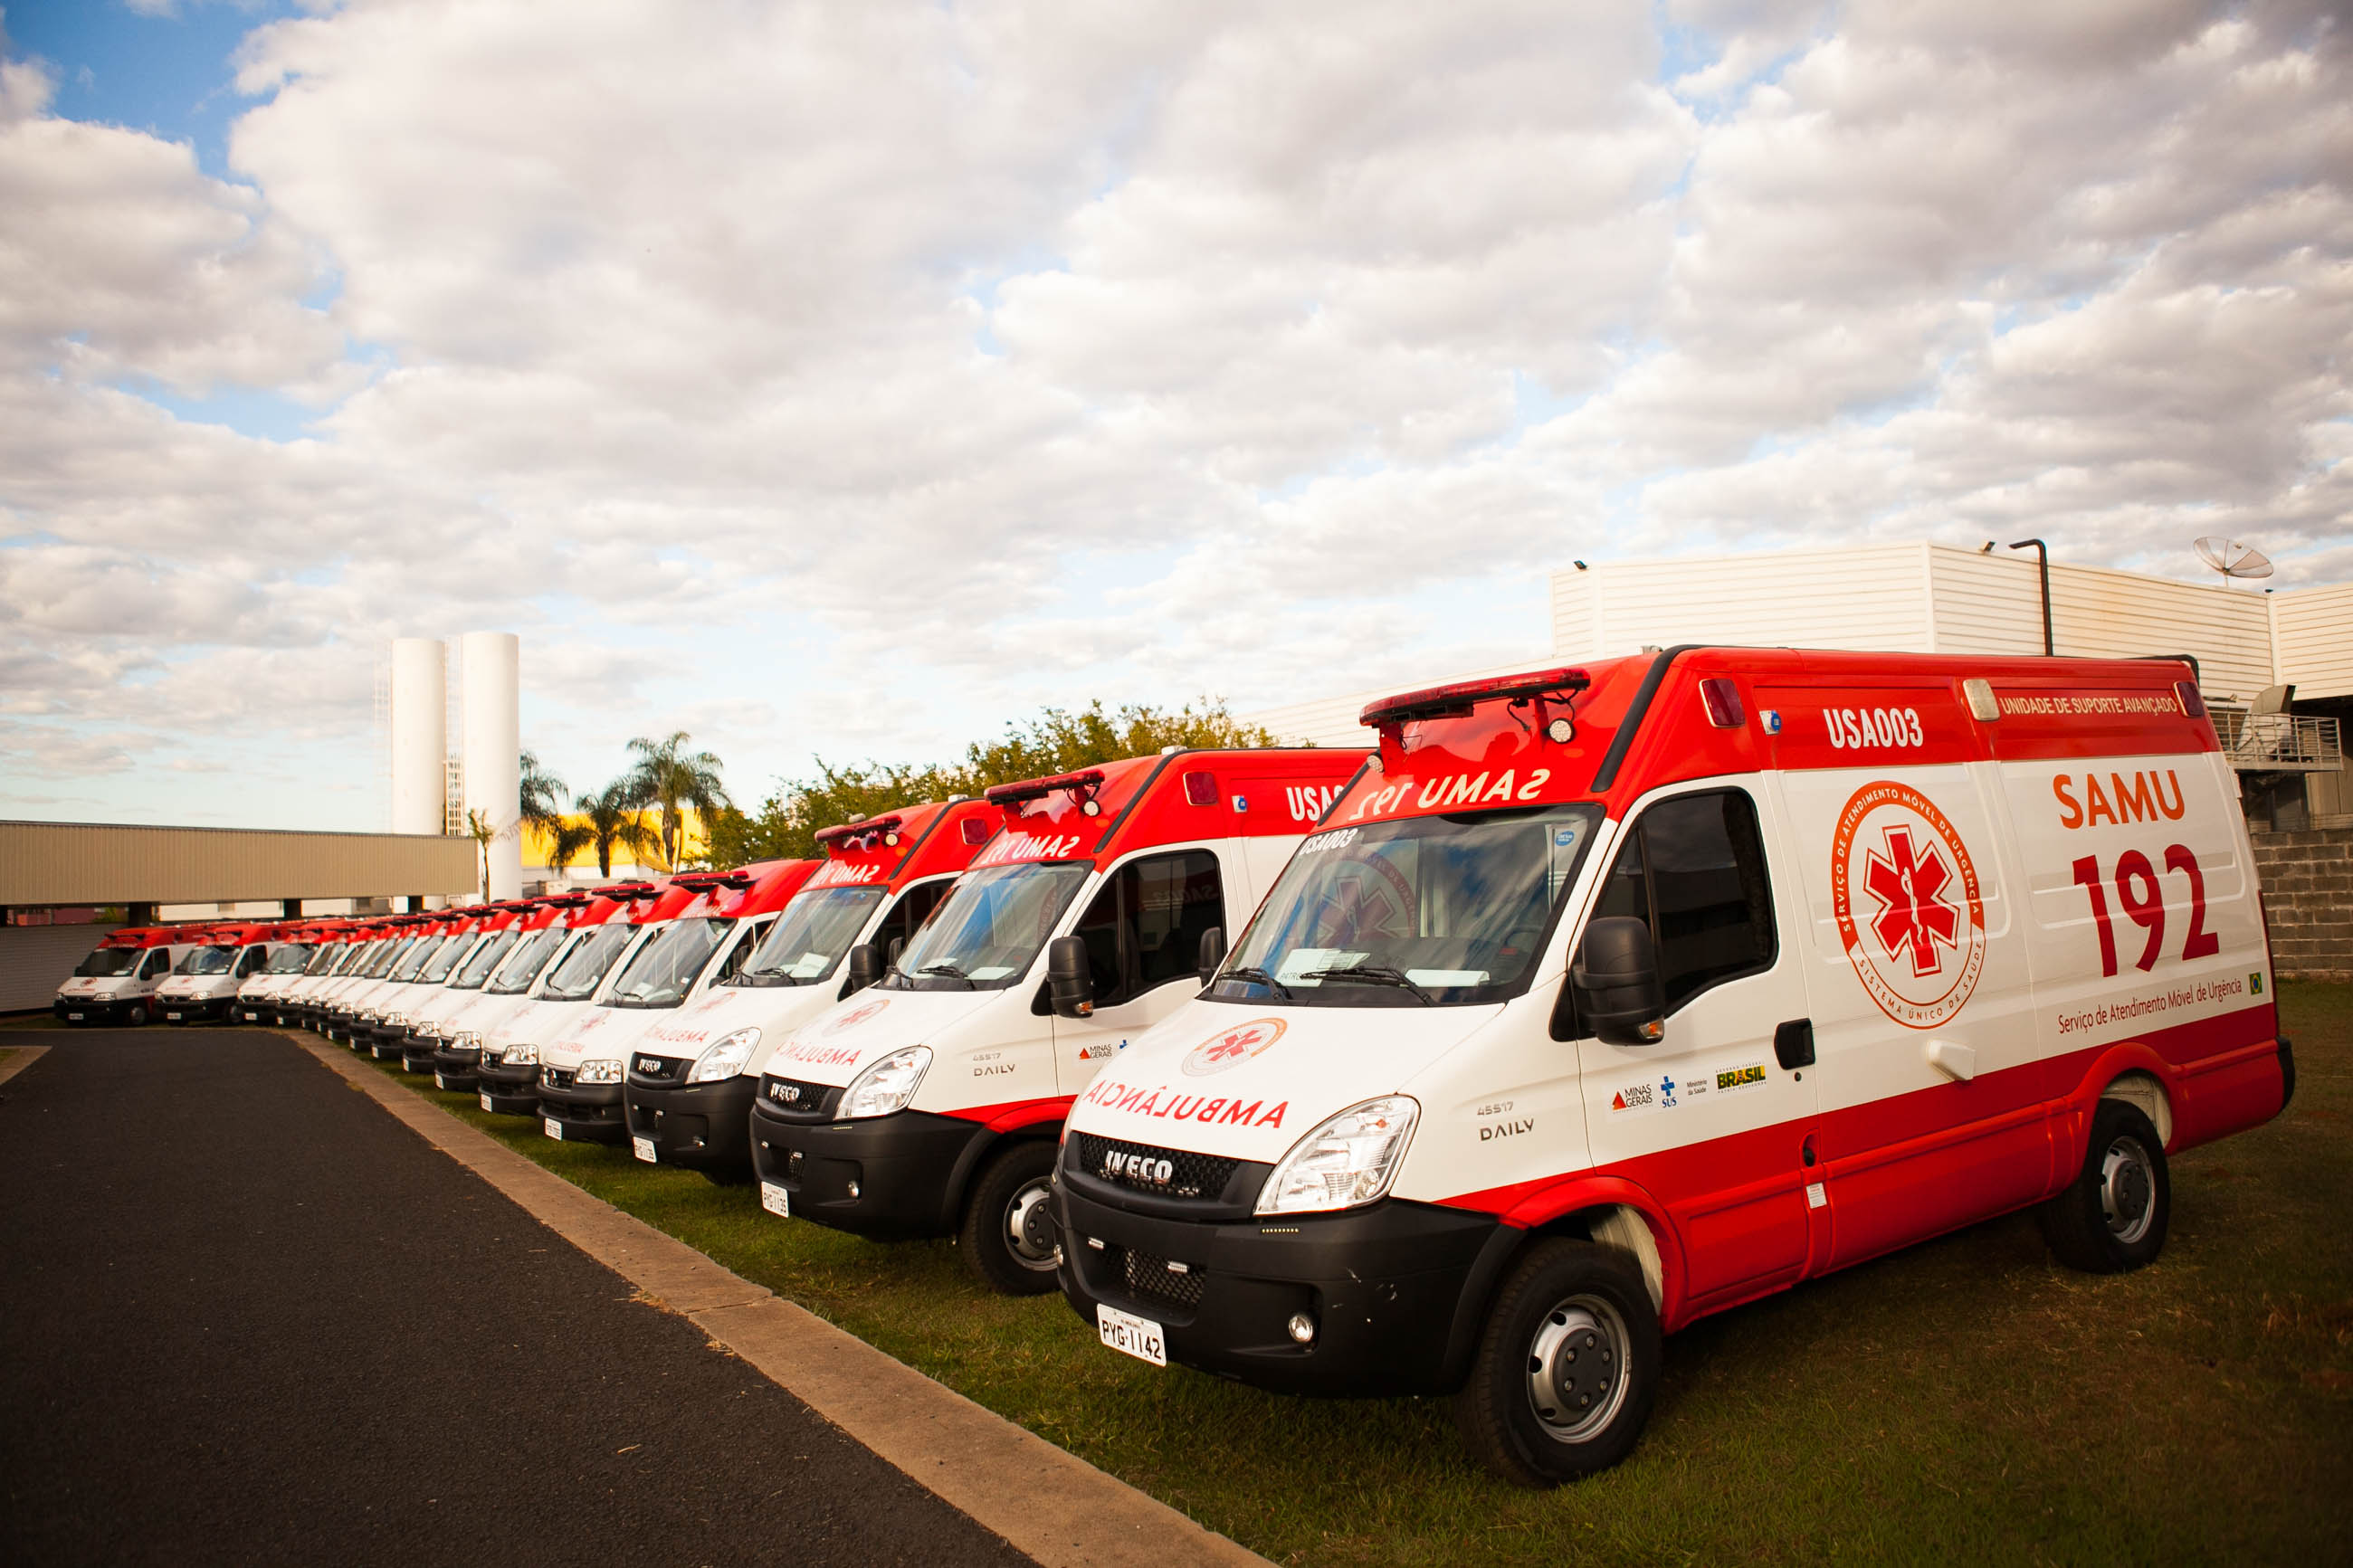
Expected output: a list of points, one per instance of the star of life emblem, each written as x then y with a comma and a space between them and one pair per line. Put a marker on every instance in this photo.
1917, 933
1232, 1048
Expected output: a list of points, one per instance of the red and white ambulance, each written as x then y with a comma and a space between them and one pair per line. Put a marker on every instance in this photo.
1607, 998
694, 1072
506, 1054
491, 985
261, 999
711, 921
117, 980
380, 1018
928, 1103
411, 938
202, 987
360, 947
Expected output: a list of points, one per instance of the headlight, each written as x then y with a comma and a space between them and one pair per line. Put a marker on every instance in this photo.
465, 1040
1350, 1160
602, 1071
888, 1085
395, 1020
725, 1056
519, 1057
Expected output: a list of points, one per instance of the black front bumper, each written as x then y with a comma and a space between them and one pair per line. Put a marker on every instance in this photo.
187, 1010
703, 1126
456, 1067
589, 1114
1392, 1289
909, 1169
512, 1091
104, 1010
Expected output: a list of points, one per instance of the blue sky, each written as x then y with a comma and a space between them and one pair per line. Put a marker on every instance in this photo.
848, 381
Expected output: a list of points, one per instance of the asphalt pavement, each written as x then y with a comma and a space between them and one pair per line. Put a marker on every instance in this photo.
246, 1316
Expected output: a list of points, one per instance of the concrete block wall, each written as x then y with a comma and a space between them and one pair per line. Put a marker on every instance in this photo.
2307, 882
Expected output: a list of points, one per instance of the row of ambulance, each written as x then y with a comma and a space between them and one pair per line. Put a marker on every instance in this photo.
1590, 1002
177, 973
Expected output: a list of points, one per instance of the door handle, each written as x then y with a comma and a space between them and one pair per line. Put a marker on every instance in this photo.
1793, 1044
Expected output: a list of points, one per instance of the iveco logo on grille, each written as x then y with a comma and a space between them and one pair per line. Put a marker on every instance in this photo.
1120, 1167
649, 1064
787, 1093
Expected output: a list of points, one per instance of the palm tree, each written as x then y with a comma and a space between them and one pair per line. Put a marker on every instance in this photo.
612, 821
669, 777
565, 840
479, 829
543, 797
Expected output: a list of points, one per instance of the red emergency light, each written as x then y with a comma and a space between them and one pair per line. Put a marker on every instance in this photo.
1459, 698
862, 835
1083, 785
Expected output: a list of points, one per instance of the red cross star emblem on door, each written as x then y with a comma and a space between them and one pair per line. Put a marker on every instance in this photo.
1915, 917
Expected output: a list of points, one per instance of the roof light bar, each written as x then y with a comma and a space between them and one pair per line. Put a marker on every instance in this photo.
1009, 795
710, 881
843, 832
1459, 698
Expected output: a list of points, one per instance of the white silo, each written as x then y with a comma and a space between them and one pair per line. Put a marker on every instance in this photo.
420, 734
489, 664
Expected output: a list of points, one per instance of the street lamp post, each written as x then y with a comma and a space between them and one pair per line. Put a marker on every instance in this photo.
2042, 555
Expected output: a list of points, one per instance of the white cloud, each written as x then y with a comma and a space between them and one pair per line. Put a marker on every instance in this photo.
850, 379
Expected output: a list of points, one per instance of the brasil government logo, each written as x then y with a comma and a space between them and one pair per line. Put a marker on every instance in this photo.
1908, 907
1235, 1047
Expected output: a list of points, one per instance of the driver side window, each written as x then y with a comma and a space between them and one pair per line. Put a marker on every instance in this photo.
1693, 869
1144, 928
157, 964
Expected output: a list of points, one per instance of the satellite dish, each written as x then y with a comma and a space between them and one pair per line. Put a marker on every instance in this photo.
2233, 559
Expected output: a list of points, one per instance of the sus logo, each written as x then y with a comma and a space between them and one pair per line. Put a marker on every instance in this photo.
1235, 1047
857, 1015
1921, 947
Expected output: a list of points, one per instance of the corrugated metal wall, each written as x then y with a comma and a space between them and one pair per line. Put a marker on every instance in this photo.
36, 960
89, 863
1872, 597
2312, 629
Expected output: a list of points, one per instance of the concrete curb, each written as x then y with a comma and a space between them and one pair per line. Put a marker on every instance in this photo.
19, 1058
1049, 1503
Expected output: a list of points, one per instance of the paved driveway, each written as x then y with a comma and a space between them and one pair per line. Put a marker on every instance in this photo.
246, 1316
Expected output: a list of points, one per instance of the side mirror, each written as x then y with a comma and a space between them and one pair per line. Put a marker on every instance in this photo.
1069, 986
1617, 980
898, 946
865, 965
1213, 952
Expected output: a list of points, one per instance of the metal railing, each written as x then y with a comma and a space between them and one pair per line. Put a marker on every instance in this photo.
2278, 742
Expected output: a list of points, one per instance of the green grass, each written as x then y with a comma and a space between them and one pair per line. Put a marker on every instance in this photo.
1967, 1398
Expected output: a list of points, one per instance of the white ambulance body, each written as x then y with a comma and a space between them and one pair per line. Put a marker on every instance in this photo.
507, 1064
407, 942
373, 1013
203, 986
1606, 999
508, 976
409, 1033
693, 1073
360, 946
928, 1103
259, 1000
703, 942
116, 982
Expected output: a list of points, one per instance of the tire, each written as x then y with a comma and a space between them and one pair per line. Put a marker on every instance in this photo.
135, 1015
2114, 1215
1007, 1238
1532, 1411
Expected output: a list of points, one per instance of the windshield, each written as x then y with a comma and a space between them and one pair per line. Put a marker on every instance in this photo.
290, 959
107, 960
399, 951
444, 959
323, 962
816, 929
989, 928
414, 958
524, 962
1446, 910
366, 956
577, 977
208, 961
666, 966
481, 960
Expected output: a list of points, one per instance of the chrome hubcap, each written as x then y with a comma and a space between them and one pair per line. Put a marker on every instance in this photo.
2128, 1190
1577, 1371
1030, 1230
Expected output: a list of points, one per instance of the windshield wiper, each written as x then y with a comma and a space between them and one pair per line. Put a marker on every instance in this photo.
1374, 975
1260, 977
953, 972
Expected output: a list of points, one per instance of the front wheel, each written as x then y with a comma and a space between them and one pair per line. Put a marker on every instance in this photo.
1008, 1235
136, 1015
1566, 1371
2113, 1216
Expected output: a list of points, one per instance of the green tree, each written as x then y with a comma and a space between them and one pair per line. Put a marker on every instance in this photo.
614, 823
565, 841
669, 777
1058, 741
543, 797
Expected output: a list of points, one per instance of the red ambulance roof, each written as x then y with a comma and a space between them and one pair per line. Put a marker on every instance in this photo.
1167, 799
927, 840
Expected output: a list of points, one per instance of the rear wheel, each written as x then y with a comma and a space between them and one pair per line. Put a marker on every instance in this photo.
1566, 1373
1009, 1237
2113, 1216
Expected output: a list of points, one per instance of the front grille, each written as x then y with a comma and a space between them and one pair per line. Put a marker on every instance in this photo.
556, 1077
1157, 1279
657, 1069
791, 1096
1142, 1168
